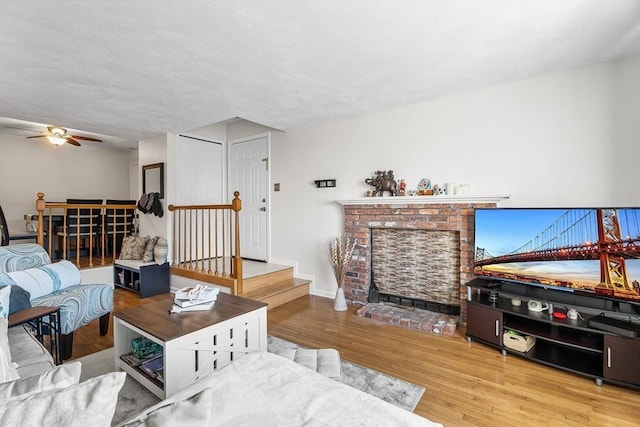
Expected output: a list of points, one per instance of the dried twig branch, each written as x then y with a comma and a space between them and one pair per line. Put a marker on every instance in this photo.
340, 252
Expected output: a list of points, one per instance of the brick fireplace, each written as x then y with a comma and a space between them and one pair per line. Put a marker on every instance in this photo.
437, 213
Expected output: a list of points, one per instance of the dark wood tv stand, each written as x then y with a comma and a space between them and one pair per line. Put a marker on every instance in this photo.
565, 344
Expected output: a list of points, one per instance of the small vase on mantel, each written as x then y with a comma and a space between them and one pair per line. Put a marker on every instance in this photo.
340, 252
340, 303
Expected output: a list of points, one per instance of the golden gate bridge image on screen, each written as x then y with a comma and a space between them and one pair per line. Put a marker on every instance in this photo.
564, 240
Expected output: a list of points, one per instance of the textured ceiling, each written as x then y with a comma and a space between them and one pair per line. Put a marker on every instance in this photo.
130, 70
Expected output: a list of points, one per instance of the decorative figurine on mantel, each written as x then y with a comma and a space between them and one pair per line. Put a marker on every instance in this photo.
402, 188
383, 181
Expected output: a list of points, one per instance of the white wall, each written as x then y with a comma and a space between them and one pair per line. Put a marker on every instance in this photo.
30, 166
150, 151
565, 139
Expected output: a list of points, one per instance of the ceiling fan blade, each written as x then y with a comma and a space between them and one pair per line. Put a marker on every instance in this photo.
72, 141
85, 138
38, 136
19, 128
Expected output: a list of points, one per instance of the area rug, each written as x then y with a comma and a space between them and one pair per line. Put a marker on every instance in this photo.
133, 397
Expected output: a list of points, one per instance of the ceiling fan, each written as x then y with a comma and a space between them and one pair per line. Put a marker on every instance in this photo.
58, 136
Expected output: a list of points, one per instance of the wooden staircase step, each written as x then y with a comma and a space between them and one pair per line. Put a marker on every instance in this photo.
280, 292
266, 280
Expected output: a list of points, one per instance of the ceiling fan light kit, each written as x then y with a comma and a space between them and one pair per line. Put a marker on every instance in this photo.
56, 140
58, 136
57, 131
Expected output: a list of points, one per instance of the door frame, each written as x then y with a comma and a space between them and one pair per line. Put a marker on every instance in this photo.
230, 191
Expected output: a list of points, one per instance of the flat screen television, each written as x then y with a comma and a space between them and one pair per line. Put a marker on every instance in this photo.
588, 252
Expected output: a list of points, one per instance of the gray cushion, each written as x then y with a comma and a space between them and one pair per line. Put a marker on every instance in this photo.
325, 361
27, 352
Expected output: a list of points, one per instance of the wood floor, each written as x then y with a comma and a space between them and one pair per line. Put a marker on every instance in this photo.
466, 383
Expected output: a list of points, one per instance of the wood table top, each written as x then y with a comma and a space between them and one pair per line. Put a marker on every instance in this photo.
30, 313
155, 318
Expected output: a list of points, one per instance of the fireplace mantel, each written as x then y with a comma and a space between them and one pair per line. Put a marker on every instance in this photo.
421, 200
437, 213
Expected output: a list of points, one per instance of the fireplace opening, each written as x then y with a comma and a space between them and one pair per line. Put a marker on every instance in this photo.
416, 268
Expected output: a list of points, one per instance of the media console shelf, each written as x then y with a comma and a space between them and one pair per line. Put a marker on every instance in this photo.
147, 279
566, 344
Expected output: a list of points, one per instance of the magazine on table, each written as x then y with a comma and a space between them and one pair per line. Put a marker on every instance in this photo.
197, 307
191, 296
152, 367
132, 360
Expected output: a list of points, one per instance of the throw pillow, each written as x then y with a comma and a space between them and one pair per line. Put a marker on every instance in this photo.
91, 403
161, 250
62, 376
19, 300
5, 301
7, 370
191, 412
47, 279
5, 279
133, 247
148, 251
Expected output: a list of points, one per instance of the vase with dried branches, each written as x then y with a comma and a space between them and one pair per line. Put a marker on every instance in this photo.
340, 253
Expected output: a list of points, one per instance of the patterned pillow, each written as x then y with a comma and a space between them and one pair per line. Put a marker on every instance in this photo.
148, 251
47, 279
161, 250
133, 247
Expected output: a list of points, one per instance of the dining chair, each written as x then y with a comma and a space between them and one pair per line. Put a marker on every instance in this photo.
118, 224
82, 226
18, 235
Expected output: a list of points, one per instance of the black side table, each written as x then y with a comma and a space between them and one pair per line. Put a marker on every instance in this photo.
38, 317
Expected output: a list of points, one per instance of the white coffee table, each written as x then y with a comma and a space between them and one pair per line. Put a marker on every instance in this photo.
194, 343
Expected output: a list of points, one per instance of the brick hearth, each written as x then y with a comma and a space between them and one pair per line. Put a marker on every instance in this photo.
421, 320
420, 212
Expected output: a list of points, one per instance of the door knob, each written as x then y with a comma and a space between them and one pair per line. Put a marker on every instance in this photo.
263, 209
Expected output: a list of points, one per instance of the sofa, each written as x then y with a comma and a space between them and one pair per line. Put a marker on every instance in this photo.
259, 389
34, 391
29, 267
265, 389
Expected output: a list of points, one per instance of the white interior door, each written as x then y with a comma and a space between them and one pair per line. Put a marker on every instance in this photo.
199, 181
199, 172
248, 174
